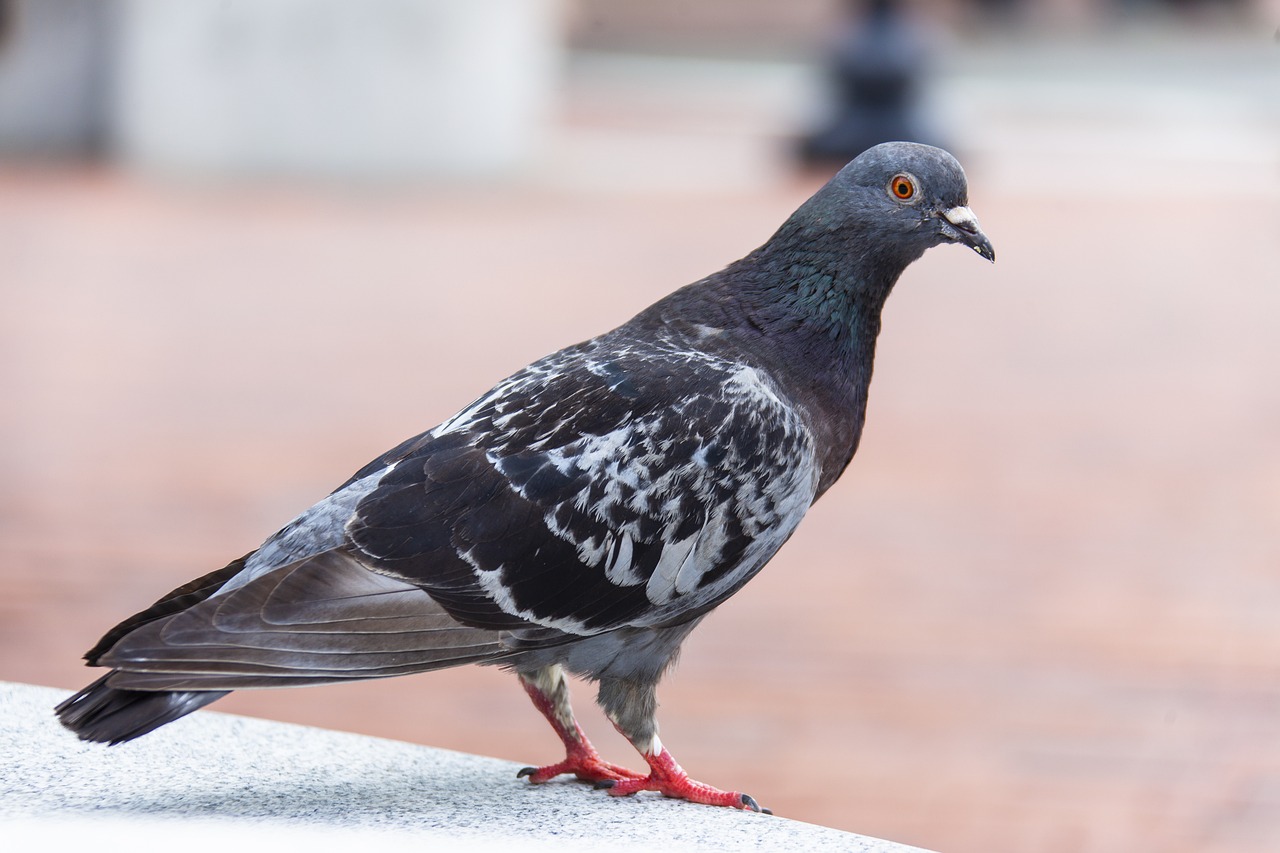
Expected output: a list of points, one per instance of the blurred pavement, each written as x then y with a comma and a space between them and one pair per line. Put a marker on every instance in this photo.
1039, 613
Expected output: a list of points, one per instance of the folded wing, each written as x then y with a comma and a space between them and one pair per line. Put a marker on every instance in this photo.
324, 618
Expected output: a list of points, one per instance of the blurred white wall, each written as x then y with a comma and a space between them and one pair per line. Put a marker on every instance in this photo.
368, 89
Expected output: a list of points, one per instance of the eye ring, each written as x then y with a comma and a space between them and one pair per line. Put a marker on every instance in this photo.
902, 187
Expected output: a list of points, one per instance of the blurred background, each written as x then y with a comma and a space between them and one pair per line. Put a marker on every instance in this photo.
247, 246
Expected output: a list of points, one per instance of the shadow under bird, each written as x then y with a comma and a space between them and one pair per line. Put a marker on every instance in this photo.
583, 515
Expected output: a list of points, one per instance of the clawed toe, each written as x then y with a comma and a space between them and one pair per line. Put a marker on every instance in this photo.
585, 768
667, 778
687, 789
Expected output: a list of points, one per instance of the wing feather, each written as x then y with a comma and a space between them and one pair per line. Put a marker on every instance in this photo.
324, 618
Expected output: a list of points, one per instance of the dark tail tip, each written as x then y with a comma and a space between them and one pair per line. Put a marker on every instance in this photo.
109, 715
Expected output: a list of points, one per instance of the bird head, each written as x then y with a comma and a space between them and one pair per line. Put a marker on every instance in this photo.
915, 195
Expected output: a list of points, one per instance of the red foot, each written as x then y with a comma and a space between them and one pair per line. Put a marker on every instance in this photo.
670, 780
584, 762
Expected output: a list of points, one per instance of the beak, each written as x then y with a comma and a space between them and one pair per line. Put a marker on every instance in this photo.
959, 225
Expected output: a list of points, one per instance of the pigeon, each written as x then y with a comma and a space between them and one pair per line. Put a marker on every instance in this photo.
585, 514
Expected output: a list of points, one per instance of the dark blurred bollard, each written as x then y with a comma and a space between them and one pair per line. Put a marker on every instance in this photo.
876, 69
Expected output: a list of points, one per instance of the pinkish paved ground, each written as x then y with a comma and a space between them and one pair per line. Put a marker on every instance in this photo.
1040, 613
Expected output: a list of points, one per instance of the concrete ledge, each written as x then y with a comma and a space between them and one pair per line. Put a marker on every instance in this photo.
234, 783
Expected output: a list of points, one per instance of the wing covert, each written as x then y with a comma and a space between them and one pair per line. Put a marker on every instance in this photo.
587, 494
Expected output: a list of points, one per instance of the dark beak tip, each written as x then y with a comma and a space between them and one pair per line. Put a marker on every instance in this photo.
958, 225
980, 244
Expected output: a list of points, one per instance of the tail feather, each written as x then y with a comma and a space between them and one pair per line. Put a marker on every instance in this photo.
105, 714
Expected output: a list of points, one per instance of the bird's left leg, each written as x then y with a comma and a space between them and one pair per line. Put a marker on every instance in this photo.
633, 709
550, 694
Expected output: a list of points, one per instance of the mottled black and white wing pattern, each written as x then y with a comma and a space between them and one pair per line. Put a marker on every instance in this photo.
611, 484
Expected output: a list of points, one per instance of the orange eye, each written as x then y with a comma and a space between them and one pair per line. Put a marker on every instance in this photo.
902, 187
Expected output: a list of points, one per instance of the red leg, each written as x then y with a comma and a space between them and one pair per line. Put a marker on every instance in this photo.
550, 695
669, 779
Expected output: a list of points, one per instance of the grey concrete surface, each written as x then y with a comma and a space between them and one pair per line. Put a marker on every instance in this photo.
227, 782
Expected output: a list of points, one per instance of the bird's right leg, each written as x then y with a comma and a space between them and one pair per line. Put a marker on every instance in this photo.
550, 694
631, 705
